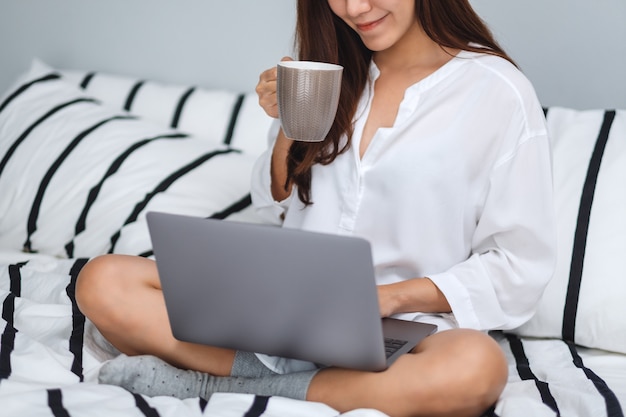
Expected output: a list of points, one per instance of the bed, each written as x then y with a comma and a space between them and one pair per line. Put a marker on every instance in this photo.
86, 150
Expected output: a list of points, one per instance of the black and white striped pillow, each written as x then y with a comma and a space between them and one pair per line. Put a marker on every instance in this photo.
584, 303
77, 177
202, 112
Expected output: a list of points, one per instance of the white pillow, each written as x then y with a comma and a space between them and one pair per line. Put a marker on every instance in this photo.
77, 177
235, 118
584, 302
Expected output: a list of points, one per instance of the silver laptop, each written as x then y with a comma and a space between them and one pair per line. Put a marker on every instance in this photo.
278, 291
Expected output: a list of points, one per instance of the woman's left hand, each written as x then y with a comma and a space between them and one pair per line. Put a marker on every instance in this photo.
386, 300
418, 294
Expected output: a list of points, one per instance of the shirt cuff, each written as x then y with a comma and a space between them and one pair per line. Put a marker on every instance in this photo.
459, 299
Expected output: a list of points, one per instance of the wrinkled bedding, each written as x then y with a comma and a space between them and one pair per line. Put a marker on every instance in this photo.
50, 355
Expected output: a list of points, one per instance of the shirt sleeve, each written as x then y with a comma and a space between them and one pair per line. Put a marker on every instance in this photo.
266, 207
513, 246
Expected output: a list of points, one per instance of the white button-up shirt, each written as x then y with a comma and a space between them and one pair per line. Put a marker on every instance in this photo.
459, 190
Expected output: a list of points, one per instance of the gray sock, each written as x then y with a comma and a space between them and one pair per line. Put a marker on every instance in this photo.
149, 375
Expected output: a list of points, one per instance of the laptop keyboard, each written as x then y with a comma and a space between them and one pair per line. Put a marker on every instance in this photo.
392, 345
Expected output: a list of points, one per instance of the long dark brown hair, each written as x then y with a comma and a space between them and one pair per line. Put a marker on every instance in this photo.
324, 37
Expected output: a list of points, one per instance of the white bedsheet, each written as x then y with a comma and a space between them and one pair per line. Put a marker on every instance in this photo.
50, 356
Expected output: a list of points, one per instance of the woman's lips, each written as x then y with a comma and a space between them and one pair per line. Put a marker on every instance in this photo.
364, 27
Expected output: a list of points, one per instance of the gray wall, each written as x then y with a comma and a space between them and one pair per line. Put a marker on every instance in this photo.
205, 42
574, 51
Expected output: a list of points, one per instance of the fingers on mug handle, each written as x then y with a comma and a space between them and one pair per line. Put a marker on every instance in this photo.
265, 95
267, 99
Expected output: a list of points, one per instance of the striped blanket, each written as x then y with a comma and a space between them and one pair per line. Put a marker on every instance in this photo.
50, 355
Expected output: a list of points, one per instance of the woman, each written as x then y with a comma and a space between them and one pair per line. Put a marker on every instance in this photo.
439, 156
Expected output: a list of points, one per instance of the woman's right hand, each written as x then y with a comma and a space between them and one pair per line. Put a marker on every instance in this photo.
266, 90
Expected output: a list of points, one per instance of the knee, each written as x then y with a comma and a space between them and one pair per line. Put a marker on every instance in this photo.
480, 370
94, 287
463, 373
487, 369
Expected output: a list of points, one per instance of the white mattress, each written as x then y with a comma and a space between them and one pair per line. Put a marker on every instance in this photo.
49, 359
